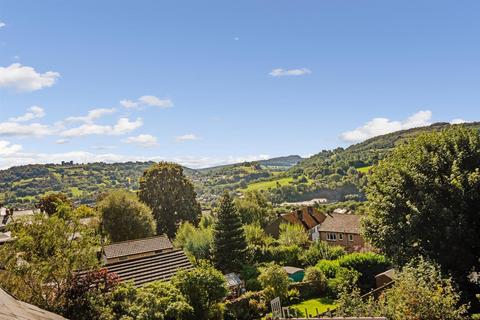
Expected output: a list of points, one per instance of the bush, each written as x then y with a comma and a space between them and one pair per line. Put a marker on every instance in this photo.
368, 264
345, 279
328, 267
274, 280
293, 296
321, 251
286, 255
317, 279
249, 306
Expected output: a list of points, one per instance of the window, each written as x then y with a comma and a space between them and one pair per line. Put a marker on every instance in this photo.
332, 236
340, 236
350, 237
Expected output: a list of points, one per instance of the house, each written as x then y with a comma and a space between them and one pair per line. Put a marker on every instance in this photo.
307, 217
13, 309
144, 260
295, 274
342, 229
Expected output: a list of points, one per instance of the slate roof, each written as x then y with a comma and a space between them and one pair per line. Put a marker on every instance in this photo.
132, 247
338, 222
161, 266
233, 280
13, 309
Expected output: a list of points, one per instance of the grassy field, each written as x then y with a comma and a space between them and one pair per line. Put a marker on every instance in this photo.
364, 169
312, 305
265, 185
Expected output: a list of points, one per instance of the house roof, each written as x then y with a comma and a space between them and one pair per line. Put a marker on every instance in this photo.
13, 309
161, 266
339, 222
306, 219
390, 273
132, 247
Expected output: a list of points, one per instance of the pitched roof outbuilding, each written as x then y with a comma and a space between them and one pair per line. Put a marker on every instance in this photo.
133, 247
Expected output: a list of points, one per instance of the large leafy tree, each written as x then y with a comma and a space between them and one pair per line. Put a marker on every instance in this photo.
228, 237
204, 288
424, 199
49, 202
171, 196
39, 266
124, 217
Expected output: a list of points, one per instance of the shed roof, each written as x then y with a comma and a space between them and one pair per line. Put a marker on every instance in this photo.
132, 247
292, 270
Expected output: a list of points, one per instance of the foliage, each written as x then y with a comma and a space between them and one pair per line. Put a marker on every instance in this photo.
424, 200
156, 300
321, 250
419, 290
249, 306
229, 238
256, 236
84, 211
170, 195
328, 267
124, 217
316, 278
368, 264
254, 208
292, 234
203, 287
47, 251
196, 242
48, 204
274, 280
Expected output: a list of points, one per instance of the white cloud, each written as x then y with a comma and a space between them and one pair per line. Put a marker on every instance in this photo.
143, 140
23, 78
458, 121
151, 101
123, 126
379, 126
290, 72
62, 141
92, 115
6, 148
2, 24
25, 130
186, 137
33, 112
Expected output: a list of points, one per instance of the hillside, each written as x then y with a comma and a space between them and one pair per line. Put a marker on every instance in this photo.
338, 174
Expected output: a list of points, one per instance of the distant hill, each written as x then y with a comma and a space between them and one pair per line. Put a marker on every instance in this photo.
338, 174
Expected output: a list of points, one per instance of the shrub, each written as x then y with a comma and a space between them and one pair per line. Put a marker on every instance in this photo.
249, 306
328, 267
368, 264
274, 280
320, 251
317, 280
286, 255
345, 279
293, 296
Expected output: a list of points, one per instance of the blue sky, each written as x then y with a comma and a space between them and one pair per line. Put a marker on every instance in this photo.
211, 82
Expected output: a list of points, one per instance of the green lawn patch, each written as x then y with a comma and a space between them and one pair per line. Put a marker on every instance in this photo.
312, 305
265, 185
364, 169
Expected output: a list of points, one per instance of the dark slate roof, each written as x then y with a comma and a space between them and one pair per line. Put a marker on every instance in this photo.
338, 222
13, 309
132, 247
161, 266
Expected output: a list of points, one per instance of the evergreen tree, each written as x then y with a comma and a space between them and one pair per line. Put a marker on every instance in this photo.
229, 238
170, 195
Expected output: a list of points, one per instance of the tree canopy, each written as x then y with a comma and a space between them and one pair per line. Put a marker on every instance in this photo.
171, 196
124, 217
228, 237
424, 199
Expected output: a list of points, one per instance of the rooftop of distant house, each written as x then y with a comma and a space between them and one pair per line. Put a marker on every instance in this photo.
308, 217
134, 247
341, 222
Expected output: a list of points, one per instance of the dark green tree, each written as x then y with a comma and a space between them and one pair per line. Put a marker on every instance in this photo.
49, 203
124, 217
166, 190
229, 244
424, 199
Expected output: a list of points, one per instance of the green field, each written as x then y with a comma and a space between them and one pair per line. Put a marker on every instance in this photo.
364, 169
313, 305
265, 185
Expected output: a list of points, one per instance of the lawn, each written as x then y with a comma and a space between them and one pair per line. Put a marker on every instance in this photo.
312, 305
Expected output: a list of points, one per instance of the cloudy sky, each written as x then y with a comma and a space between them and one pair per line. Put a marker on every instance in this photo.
212, 82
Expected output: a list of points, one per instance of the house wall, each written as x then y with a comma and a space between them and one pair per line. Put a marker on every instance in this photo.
356, 245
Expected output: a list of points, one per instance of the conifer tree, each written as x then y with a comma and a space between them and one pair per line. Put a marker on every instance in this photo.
229, 238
